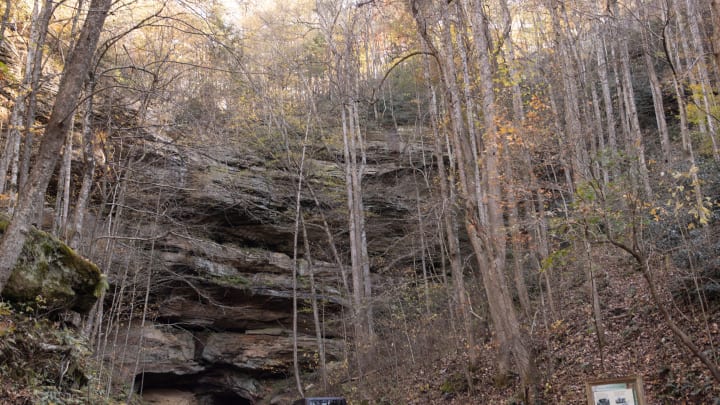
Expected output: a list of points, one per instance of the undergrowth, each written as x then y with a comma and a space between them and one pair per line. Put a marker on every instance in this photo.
44, 361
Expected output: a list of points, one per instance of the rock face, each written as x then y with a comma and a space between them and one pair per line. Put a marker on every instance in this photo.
53, 274
222, 321
256, 352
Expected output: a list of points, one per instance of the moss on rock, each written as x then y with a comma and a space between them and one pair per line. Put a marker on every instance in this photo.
49, 268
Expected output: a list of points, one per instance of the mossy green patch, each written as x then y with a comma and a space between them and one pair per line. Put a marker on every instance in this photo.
235, 280
49, 268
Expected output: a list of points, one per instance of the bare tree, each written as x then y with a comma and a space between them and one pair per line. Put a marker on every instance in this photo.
716, 32
480, 197
31, 196
22, 116
449, 221
5, 20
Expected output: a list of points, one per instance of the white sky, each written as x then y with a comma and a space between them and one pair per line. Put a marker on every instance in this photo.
240, 8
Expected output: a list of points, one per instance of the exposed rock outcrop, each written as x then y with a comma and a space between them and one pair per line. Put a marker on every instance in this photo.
52, 274
223, 315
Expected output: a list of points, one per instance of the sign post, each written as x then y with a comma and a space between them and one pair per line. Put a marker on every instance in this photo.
615, 391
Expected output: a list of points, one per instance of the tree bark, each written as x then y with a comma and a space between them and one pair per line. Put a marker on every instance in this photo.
610, 122
660, 118
9, 158
573, 125
31, 196
319, 336
707, 99
492, 233
89, 169
450, 226
483, 216
695, 64
716, 32
27, 143
635, 145
5, 19
512, 200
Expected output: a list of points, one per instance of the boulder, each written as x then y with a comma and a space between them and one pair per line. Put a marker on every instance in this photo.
50, 273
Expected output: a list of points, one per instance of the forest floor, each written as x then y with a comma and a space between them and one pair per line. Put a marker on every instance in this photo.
637, 343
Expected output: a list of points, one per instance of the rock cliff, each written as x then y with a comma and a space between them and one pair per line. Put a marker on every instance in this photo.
222, 314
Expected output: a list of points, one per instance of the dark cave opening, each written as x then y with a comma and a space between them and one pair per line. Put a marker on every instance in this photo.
223, 398
204, 392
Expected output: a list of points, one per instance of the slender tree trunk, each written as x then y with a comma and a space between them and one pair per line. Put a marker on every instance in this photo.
658, 105
5, 20
296, 235
358, 143
493, 232
593, 292
716, 33
315, 310
706, 96
31, 196
62, 196
10, 153
421, 232
573, 125
450, 226
88, 169
610, 123
483, 219
474, 137
600, 164
514, 233
635, 142
37, 64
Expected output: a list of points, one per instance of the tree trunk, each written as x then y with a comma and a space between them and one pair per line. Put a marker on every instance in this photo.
62, 196
63, 183
695, 64
10, 153
421, 233
296, 267
573, 125
660, 119
37, 64
593, 292
512, 203
5, 19
31, 196
635, 144
706, 96
319, 338
450, 226
88, 169
610, 123
716, 32
492, 233
673, 58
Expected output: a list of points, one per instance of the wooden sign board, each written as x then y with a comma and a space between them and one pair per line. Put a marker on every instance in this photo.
615, 391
